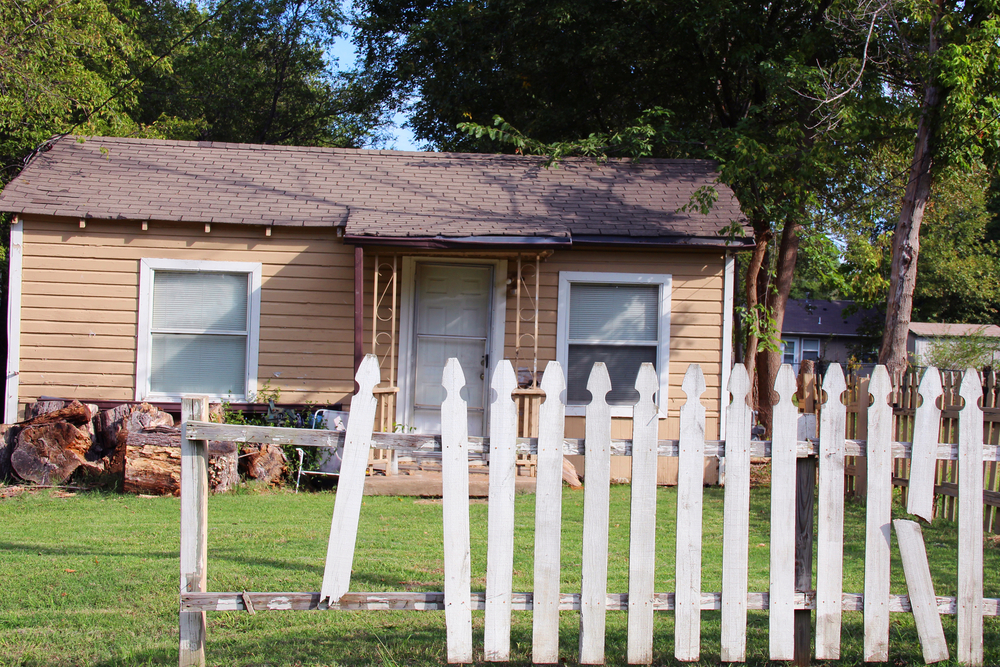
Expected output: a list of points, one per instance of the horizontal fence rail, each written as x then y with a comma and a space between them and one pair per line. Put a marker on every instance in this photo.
479, 446
798, 458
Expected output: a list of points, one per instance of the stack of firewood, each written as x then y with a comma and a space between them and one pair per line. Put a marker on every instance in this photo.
134, 443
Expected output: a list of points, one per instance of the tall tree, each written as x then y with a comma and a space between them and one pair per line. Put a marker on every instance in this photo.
254, 71
951, 54
61, 66
723, 80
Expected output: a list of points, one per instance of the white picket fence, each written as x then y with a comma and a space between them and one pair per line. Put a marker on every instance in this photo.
789, 599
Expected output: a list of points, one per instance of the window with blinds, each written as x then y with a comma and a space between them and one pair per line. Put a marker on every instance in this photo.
616, 324
198, 328
199, 333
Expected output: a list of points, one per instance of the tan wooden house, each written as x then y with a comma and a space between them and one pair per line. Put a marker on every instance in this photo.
145, 269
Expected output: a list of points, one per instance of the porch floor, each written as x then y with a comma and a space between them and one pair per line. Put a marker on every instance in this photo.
425, 481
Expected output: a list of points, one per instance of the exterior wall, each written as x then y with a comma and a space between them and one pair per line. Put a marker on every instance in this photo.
696, 320
80, 304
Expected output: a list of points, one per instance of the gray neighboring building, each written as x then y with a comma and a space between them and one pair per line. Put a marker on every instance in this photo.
820, 330
922, 334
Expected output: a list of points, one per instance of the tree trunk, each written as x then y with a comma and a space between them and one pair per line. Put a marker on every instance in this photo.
906, 237
769, 361
750, 285
74, 412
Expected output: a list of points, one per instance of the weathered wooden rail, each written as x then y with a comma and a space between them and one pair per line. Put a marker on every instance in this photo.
790, 599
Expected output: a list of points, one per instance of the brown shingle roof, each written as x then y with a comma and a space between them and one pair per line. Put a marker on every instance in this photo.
370, 193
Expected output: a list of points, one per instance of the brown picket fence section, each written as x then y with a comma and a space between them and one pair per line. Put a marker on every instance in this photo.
904, 399
808, 458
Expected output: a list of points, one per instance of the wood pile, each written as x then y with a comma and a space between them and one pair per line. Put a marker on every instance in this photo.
134, 445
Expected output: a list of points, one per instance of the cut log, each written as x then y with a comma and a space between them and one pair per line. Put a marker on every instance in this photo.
108, 425
264, 463
74, 412
49, 453
37, 408
8, 441
153, 462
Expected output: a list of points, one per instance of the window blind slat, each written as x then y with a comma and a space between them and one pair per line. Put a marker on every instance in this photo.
200, 301
623, 366
198, 363
614, 312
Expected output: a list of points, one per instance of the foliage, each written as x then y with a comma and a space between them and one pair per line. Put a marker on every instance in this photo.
959, 271
62, 66
819, 270
252, 71
974, 350
281, 417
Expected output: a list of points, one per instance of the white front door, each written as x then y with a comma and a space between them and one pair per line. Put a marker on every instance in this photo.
451, 318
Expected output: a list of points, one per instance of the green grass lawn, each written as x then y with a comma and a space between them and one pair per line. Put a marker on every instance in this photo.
92, 579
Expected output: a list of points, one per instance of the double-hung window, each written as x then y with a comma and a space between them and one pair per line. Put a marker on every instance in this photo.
621, 319
199, 325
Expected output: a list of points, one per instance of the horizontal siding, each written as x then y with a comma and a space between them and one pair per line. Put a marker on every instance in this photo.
696, 316
80, 291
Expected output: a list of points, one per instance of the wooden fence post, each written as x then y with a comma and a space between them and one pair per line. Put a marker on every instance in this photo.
194, 531
805, 492
830, 554
642, 528
455, 501
736, 520
596, 496
500, 523
351, 486
877, 516
781, 598
548, 517
970, 522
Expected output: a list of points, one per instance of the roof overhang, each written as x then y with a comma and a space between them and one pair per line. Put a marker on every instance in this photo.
564, 242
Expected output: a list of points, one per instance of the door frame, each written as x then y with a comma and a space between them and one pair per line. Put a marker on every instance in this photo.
498, 317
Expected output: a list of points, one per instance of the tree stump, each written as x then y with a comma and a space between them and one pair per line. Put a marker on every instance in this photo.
49, 453
264, 463
153, 462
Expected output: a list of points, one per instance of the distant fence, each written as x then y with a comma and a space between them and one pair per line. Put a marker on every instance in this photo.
904, 399
791, 598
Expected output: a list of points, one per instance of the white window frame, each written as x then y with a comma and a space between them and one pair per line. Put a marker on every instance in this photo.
664, 281
144, 348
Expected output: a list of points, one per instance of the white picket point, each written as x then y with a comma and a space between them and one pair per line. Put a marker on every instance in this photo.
548, 517
642, 530
830, 529
877, 517
920, 589
596, 495
351, 485
736, 520
923, 455
781, 609
500, 528
970, 522
690, 480
455, 499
